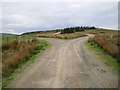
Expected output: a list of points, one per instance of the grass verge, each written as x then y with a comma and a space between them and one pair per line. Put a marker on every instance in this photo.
26, 63
64, 36
101, 54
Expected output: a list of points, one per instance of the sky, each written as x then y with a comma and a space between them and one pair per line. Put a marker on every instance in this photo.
20, 17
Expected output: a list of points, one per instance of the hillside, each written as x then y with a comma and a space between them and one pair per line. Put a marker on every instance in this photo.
7, 35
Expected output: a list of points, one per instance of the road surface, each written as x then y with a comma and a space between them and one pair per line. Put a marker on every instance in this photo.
68, 64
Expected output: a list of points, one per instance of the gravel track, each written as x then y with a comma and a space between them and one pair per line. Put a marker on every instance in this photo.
68, 64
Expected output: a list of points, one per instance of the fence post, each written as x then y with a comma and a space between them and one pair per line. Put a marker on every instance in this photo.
7, 39
16, 37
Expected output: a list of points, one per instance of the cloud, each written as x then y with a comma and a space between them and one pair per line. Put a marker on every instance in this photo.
59, 0
30, 16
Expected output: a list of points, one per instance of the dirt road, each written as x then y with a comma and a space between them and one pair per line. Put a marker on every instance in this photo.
68, 64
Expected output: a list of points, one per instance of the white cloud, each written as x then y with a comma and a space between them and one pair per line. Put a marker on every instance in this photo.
27, 16
59, 0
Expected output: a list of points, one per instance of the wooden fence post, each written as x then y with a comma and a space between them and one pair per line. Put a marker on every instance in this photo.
7, 39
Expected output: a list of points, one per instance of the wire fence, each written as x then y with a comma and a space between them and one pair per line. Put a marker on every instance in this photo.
6, 40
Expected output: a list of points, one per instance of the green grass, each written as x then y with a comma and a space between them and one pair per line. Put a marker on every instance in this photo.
73, 34
45, 45
101, 54
6, 40
81, 35
47, 33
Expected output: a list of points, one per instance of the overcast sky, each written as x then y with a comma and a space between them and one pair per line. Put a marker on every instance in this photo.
19, 17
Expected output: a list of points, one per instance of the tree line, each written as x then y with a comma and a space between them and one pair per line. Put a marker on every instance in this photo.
76, 29
65, 30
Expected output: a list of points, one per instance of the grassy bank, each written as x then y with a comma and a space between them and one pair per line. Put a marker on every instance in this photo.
63, 36
46, 33
109, 42
101, 54
6, 40
19, 66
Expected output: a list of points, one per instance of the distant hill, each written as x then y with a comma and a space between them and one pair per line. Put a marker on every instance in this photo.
7, 35
65, 30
